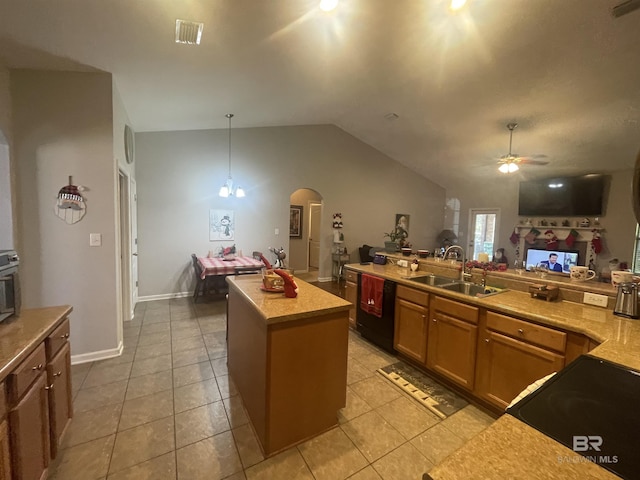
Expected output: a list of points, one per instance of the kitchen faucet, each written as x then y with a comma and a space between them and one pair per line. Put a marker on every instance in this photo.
458, 247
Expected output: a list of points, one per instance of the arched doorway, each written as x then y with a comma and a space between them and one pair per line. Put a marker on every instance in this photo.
304, 250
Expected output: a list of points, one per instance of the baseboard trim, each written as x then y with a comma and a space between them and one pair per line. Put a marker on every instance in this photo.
325, 279
164, 296
100, 355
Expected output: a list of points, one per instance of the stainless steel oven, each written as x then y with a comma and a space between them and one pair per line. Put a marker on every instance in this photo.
9, 285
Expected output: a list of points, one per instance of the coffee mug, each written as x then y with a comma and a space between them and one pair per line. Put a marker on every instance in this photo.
620, 276
581, 274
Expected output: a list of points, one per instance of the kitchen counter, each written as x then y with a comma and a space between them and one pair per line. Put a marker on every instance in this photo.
21, 335
509, 448
288, 359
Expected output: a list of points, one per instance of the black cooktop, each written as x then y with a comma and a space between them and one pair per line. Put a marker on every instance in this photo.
593, 407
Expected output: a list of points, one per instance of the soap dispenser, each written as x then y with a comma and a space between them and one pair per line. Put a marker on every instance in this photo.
627, 300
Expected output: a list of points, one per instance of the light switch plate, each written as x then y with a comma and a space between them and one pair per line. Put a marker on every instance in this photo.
277, 231
95, 239
595, 299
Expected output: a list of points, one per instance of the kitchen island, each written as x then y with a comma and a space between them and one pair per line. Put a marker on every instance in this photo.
288, 359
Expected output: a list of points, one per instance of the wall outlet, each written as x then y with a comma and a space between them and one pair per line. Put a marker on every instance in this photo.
403, 263
595, 299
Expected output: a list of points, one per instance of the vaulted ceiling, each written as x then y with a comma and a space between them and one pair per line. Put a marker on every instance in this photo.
566, 71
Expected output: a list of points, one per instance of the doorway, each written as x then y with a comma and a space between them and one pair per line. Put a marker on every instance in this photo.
315, 214
128, 245
483, 229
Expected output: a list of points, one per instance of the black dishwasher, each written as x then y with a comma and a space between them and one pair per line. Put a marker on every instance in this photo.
378, 330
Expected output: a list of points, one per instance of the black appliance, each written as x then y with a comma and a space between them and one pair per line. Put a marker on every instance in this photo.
9, 284
591, 407
378, 330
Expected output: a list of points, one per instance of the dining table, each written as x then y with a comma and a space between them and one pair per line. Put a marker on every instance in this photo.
221, 267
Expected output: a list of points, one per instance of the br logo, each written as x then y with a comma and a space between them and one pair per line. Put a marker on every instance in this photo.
583, 443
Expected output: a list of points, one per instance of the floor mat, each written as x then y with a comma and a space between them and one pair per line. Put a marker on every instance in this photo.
424, 389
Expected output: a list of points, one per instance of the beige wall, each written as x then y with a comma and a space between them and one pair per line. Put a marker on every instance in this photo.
179, 174
63, 125
6, 176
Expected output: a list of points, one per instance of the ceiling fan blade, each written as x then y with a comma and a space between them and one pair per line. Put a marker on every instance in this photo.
532, 161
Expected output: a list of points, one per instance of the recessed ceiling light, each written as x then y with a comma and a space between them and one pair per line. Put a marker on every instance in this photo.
328, 5
188, 32
457, 4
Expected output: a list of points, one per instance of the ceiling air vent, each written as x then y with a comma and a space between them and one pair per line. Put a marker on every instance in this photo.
188, 32
625, 7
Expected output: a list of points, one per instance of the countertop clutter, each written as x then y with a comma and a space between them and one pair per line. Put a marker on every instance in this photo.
510, 448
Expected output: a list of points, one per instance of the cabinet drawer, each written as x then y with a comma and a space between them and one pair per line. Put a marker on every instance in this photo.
351, 276
412, 295
455, 309
58, 338
530, 332
26, 373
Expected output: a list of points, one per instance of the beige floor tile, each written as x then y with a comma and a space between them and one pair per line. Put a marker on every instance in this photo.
78, 375
184, 323
194, 373
142, 443
235, 411
159, 468
210, 459
184, 314
376, 391
189, 357
153, 338
107, 374
88, 460
155, 350
163, 327
403, 463
226, 386
186, 332
247, 445
196, 395
92, 424
90, 398
148, 384
373, 436
200, 423
151, 365
237, 476
161, 317
357, 348
288, 464
188, 343
220, 367
146, 409
437, 443
468, 422
127, 355
375, 360
213, 325
216, 352
356, 372
368, 473
355, 407
407, 417
332, 456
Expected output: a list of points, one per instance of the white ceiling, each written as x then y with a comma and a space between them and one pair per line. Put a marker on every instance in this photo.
565, 70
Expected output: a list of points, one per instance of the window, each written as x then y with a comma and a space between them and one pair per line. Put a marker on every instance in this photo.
636, 252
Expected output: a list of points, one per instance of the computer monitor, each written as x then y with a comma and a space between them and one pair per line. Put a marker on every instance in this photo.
565, 258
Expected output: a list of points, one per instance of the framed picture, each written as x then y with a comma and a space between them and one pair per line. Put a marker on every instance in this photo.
221, 225
295, 221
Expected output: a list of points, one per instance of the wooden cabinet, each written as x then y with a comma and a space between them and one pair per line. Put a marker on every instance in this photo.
452, 339
411, 323
29, 431
60, 397
5, 455
351, 295
512, 354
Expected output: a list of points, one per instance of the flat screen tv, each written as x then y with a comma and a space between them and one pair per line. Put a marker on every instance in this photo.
565, 258
563, 196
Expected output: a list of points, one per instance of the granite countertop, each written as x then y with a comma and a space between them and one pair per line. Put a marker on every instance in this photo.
510, 448
20, 335
275, 307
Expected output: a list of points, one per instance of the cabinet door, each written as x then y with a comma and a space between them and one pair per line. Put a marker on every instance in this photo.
410, 336
60, 398
29, 426
451, 349
5, 456
351, 295
506, 366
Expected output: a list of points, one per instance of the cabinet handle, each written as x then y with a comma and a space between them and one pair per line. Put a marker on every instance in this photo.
66, 335
37, 367
423, 316
57, 374
521, 331
434, 320
50, 387
486, 340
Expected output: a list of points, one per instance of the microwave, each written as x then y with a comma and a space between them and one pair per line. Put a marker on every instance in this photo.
9, 285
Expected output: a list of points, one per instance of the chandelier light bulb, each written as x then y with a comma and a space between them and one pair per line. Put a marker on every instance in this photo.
328, 5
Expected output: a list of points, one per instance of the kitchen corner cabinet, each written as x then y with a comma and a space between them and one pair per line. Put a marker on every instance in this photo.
512, 354
351, 295
452, 339
411, 323
5, 455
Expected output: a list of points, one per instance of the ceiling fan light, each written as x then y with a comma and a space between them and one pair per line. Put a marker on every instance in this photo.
224, 191
513, 167
328, 5
504, 168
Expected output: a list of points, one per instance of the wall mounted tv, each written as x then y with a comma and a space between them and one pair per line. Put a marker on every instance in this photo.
563, 196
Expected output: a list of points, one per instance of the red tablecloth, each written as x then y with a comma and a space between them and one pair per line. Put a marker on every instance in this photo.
219, 266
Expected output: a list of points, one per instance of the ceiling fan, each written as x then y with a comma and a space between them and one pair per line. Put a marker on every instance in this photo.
510, 162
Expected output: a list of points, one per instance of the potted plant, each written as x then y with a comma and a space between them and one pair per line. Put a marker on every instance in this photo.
397, 239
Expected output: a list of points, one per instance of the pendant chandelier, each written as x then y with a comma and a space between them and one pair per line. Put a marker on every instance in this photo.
227, 189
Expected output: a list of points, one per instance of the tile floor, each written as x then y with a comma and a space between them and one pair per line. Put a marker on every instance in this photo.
166, 409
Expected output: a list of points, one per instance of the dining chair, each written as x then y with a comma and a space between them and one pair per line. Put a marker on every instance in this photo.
200, 282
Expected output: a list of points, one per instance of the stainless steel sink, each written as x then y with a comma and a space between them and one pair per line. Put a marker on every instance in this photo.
471, 289
432, 280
